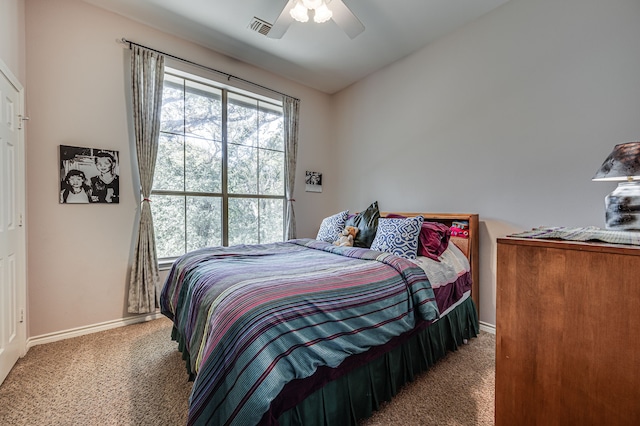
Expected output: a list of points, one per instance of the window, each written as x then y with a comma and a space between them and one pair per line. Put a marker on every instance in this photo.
219, 176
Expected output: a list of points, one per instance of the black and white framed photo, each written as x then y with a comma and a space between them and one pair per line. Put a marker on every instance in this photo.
89, 175
313, 181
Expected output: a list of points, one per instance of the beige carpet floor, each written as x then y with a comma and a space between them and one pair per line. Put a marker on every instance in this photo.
134, 375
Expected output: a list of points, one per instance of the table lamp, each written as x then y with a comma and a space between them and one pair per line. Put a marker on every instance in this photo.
623, 204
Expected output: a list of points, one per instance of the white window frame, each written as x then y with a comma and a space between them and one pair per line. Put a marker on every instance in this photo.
165, 263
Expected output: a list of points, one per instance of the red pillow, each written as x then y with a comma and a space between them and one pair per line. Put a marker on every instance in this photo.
433, 240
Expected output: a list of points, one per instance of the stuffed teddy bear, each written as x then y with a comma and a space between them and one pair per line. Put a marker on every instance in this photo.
346, 237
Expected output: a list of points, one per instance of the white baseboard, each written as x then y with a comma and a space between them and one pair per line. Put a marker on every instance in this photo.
489, 328
88, 329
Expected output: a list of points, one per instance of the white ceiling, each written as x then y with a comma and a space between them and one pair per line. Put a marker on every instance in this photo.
320, 56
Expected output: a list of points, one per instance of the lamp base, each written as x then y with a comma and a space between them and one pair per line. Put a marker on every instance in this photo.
623, 207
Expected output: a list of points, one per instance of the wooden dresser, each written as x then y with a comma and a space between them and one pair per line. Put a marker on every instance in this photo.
567, 333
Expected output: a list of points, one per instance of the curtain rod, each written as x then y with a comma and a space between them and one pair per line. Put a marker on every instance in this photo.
227, 75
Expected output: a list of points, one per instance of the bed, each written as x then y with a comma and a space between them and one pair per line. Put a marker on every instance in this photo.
304, 332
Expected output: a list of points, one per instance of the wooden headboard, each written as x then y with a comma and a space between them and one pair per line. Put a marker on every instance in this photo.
469, 246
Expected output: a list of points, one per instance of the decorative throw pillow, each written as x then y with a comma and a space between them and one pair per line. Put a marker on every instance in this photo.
332, 226
398, 236
367, 224
433, 240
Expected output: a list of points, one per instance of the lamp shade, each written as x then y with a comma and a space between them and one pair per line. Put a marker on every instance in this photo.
299, 13
623, 204
322, 14
312, 4
622, 164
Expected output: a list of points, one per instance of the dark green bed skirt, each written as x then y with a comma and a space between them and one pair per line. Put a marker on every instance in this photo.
357, 394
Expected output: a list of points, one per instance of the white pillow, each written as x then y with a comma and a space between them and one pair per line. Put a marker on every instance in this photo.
398, 236
332, 226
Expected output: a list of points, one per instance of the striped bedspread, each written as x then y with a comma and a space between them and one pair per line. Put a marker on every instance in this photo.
450, 276
252, 318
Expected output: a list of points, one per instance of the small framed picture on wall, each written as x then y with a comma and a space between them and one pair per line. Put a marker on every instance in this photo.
89, 175
313, 181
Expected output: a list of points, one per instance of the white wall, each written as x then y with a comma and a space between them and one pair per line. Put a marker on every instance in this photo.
508, 117
79, 255
12, 37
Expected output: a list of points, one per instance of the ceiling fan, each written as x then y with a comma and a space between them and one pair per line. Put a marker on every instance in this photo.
323, 10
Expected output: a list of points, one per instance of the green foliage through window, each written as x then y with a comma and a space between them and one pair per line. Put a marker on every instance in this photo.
217, 149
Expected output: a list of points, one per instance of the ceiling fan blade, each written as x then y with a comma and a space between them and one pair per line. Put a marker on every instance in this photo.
281, 25
344, 17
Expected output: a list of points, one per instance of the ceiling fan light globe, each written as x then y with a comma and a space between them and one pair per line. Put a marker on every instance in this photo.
300, 13
322, 14
312, 4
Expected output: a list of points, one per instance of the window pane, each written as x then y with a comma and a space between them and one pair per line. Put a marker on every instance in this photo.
271, 221
242, 169
204, 165
271, 172
242, 122
203, 111
243, 221
271, 130
169, 171
168, 224
172, 116
204, 222
190, 159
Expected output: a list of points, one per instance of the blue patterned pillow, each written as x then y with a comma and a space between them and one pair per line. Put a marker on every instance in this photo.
332, 226
398, 236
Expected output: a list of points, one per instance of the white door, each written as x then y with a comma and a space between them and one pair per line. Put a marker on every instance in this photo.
12, 234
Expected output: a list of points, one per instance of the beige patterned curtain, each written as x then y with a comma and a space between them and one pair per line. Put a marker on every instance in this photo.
147, 73
291, 108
